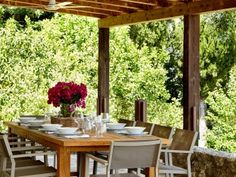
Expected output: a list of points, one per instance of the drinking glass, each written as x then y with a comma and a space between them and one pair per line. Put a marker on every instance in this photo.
47, 117
80, 124
98, 127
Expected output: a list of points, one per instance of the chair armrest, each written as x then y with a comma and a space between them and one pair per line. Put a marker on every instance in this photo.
102, 161
176, 151
28, 148
20, 142
34, 154
164, 146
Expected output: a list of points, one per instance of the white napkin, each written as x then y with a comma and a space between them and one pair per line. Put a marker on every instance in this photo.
77, 136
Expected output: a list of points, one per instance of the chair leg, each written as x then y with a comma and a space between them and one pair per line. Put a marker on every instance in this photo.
86, 166
78, 163
189, 166
170, 163
95, 167
166, 162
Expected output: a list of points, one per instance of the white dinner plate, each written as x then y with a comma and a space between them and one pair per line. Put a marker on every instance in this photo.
114, 129
46, 130
67, 134
133, 134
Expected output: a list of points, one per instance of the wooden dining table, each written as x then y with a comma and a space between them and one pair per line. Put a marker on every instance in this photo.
65, 146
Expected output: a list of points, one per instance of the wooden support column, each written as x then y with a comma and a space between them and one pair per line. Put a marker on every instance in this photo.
103, 71
140, 110
191, 75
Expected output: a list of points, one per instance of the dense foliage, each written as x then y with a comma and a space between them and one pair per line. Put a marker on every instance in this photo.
146, 62
217, 64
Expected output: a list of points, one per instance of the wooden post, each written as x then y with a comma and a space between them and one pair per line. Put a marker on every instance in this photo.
103, 71
191, 75
140, 110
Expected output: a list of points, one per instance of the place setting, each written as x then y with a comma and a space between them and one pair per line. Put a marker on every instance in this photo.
120, 128
31, 122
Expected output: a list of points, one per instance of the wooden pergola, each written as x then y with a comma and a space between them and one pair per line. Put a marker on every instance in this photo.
112, 13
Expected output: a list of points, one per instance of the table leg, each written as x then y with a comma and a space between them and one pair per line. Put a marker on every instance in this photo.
63, 162
78, 164
83, 166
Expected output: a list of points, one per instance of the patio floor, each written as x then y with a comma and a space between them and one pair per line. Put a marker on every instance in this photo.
101, 169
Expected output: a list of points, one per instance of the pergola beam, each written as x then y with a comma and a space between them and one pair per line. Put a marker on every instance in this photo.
195, 7
191, 72
103, 71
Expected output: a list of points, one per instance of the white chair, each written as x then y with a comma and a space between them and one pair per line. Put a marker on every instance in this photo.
19, 144
20, 164
103, 154
182, 143
129, 154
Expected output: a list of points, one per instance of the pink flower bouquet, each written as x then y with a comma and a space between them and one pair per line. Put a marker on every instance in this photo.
68, 96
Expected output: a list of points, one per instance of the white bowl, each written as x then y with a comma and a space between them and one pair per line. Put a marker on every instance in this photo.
135, 130
115, 126
26, 119
51, 127
36, 122
67, 130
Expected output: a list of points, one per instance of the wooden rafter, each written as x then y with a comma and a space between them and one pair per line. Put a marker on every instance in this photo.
163, 3
93, 10
95, 6
125, 12
143, 2
168, 12
82, 13
118, 3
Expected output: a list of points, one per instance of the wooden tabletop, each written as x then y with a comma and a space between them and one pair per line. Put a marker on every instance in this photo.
64, 146
45, 138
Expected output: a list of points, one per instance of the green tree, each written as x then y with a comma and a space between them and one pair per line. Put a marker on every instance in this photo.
218, 50
221, 116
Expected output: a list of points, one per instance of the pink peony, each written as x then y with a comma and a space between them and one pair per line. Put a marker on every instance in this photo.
67, 93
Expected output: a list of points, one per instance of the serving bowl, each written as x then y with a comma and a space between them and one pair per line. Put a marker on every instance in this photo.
51, 127
26, 119
67, 130
115, 126
36, 122
135, 130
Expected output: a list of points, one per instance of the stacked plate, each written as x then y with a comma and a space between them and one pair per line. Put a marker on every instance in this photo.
65, 131
35, 123
26, 120
135, 130
115, 126
50, 127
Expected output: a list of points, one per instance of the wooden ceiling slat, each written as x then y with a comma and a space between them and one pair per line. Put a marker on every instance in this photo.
82, 13
144, 2
26, 3
163, 3
97, 11
100, 11
117, 3
119, 10
167, 12
104, 6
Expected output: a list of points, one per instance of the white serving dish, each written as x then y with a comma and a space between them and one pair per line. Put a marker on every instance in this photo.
115, 126
26, 120
135, 130
36, 122
66, 130
51, 127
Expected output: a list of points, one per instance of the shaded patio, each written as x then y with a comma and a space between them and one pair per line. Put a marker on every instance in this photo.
126, 12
